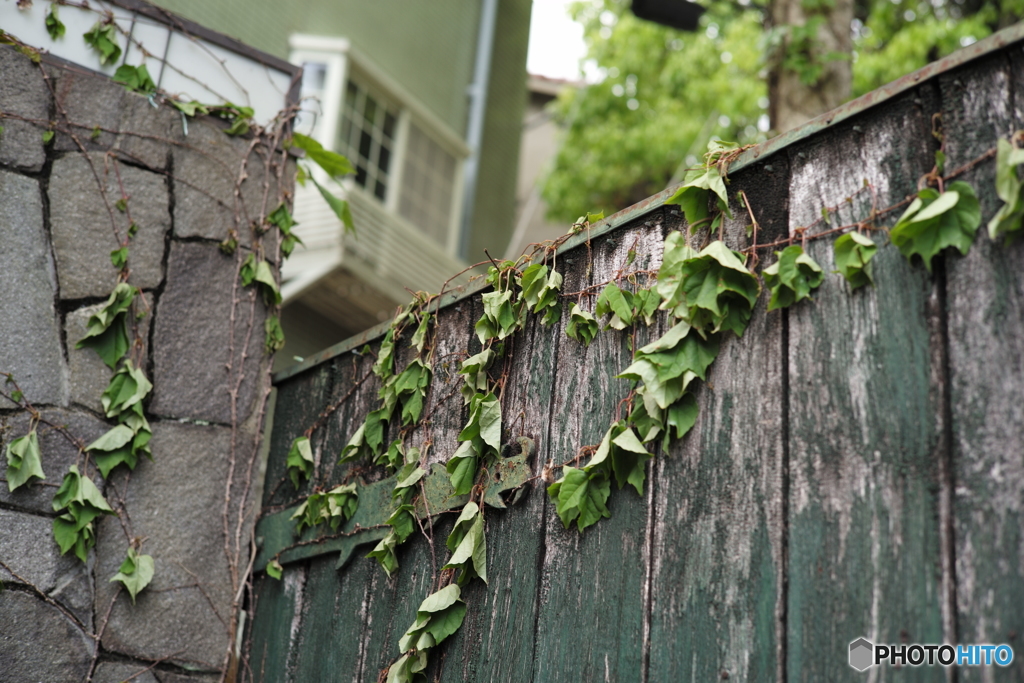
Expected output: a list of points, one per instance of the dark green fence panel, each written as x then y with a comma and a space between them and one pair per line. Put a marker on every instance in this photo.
856, 467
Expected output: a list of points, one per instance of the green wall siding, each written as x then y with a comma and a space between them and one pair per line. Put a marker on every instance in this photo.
429, 48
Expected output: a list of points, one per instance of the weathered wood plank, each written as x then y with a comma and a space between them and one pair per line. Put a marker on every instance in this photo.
496, 640
716, 582
593, 586
864, 416
985, 306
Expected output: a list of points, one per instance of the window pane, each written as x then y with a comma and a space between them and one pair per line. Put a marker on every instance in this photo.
385, 159
426, 193
389, 125
362, 137
379, 190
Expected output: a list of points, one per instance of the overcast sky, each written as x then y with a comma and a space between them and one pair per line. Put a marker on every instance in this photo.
556, 42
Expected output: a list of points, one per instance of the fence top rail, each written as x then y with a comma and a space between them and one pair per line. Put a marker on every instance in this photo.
995, 43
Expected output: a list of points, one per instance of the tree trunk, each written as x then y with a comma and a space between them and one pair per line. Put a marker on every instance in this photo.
806, 77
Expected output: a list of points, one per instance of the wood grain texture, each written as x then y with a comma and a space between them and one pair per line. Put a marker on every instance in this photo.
716, 583
592, 594
985, 293
864, 418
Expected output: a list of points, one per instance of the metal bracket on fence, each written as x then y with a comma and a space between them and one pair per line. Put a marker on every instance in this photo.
276, 537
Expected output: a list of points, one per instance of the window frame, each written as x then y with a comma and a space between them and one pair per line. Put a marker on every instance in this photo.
343, 63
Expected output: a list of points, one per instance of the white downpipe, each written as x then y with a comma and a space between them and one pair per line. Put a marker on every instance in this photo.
477, 108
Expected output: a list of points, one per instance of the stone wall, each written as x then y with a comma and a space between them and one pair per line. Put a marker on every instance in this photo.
202, 338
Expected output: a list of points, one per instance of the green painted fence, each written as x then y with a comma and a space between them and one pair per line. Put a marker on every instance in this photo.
856, 468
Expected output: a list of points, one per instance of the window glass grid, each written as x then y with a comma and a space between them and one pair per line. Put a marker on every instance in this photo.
367, 136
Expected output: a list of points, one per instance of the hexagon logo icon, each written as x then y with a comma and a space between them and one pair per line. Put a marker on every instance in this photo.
861, 651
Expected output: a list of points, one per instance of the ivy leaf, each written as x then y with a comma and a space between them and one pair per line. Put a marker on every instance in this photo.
402, 522
107, 329
1010, 189
189, 109
114, 448
135, 573
540, 291
792, 277
406, 668
135, 78
934, 222
384, 366
334, 506
475, 370
645, 305
613, 301
581, 496
274, 334
462, 468
501, 318
119, 257
470, 554
127, 389
265, 277
629, 458
355, 447
299, 460
853, 254
384, 553
582, 326
103, 39
681, 416
419, 337
334, 164
692, 196
712, 291
668, 365
79, 502
407, 477
23, 461
438, 616
54, 26
282, 219
274, 569
340, 207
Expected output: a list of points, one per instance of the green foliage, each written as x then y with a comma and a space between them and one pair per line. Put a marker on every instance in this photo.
475, 370
79, 502
792, 277
503, 312
260, 273
189, 108
408, 668
625, 307
481, 438
102, 38
237, 115
853, 254
274, 569
281, 218
333, 507
582, 326
711, 290
935, 221
47, 136
1010, 189
540, 291
700, 183
384, 553
299, 460
468, 545
119, 258
23, 461
122, 399
135, 78
438, 616
666, 368
107, 329
334, 164
54, 26
135, 573
407, 390
581, 496
339, 206
274, 334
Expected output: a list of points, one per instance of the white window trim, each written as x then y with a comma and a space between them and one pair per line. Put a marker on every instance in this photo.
343, 59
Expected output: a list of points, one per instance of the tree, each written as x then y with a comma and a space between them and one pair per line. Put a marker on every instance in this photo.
663, 93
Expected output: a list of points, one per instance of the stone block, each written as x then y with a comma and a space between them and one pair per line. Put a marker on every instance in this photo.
90, 375
57, 452
30, 346
207, 168
28, 548
175, 502
103, 116
192, 337
39, 643
80, 224
123, 672
172, 677
23, 93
